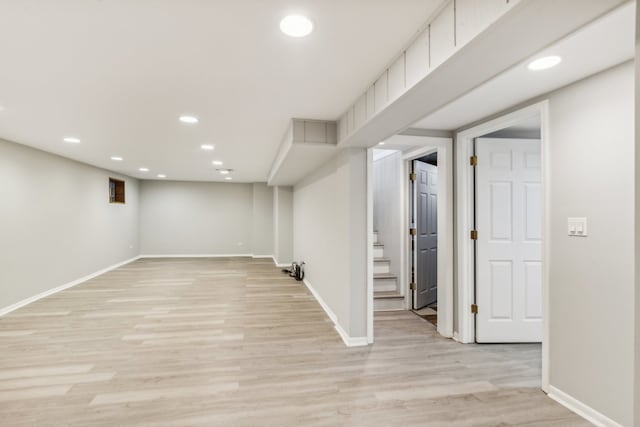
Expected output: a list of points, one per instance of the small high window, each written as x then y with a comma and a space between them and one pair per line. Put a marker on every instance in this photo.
116, 191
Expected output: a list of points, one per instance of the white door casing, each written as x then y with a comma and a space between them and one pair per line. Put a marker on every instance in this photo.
509, 246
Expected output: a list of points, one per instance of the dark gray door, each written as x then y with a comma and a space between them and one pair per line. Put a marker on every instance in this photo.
427, 234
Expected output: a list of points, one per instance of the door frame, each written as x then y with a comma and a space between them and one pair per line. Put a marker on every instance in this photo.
444, 148
422, 146
465, 214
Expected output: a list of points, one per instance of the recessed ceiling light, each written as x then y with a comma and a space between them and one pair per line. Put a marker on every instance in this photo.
380, 143
217, 163
71, 140
117, 158
228, 178
207, 147
161, 175
144, 169
296, 26
224, 172
190, 120
544, 63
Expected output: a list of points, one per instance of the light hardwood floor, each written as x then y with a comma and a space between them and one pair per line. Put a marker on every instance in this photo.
234, 342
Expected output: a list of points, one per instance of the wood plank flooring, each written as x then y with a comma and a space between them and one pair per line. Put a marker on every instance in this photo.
234, 342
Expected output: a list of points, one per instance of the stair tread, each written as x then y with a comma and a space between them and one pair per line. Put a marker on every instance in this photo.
377, 244
387, 294
381, 260
384, 276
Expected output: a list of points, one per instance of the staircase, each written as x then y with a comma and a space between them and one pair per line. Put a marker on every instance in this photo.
386, 293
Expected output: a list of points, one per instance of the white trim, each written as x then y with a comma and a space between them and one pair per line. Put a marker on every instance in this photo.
280, 264
351, 341
24, 302
464, 221
275, 261
348, 340
197, 256
585, 411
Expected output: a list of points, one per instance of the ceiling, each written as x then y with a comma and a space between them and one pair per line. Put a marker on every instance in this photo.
118, 73
602, 44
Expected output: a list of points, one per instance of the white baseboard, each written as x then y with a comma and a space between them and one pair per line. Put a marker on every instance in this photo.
586, 412
275, 261
280, 264
49, 292
196, 256
349, 341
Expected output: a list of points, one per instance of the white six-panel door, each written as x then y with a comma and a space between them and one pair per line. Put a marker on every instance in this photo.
509, 246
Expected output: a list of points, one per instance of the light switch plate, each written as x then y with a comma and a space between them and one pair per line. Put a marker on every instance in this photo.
577, 227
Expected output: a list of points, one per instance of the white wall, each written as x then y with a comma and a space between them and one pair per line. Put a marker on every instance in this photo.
591, 161
329, 217
262, 220
387, 206
283, 225
56, 223
196, 218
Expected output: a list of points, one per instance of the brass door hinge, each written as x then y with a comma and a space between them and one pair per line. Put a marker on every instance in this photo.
473, 235
413, 231
474, 308
413, 286
413, 177
473, 160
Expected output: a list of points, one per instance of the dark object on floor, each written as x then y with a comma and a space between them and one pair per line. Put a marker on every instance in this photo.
296, 271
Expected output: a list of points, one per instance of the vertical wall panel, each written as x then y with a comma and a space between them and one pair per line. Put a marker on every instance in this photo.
371, 107
342, 128
360, 111
473, 17
396, 79
442, 43
417, 59
381, 93
350, 121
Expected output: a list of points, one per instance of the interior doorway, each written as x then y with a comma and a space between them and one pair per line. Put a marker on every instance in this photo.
407, 269
501, 242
